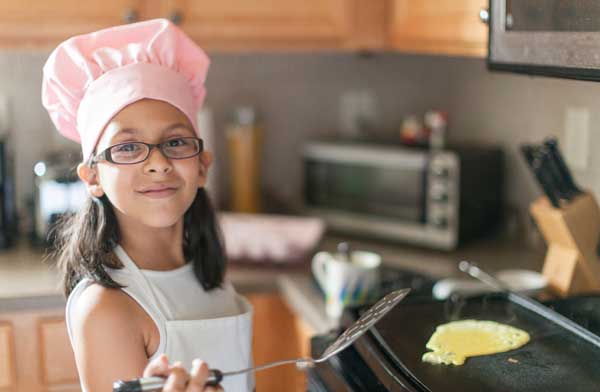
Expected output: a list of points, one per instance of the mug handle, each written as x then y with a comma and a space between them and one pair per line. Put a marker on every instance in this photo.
319, 269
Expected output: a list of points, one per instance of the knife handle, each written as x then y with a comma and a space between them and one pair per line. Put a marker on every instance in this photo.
565, 192
552, 147
545, 180
534, 161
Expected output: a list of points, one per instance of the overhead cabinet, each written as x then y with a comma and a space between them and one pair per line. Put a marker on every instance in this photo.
449, 27
42, 23
434, 27
247, 25
240, 25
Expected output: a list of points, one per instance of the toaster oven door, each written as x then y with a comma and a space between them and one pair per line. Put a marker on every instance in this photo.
386, 183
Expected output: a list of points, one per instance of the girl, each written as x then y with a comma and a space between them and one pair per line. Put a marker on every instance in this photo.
143, 265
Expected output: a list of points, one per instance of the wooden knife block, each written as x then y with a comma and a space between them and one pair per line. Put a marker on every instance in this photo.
572, 233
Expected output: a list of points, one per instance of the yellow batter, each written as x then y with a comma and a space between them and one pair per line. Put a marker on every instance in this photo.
453, 342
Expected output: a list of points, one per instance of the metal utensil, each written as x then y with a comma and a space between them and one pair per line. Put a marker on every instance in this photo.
359, 327
529, 303
345, 251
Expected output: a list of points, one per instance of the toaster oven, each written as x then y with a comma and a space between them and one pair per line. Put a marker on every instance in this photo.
432, 198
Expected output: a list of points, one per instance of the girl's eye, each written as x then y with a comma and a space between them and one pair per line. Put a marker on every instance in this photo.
176, 142
128, 147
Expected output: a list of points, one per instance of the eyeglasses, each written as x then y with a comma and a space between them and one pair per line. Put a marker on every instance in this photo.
130, 153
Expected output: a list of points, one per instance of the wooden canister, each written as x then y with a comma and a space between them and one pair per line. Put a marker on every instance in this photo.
244, 139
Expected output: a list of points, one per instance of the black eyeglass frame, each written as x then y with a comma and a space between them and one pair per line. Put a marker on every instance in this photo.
105, 155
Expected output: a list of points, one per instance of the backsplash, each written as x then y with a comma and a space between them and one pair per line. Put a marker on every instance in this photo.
297, 96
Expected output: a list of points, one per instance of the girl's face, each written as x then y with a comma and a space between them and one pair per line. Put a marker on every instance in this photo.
158, 191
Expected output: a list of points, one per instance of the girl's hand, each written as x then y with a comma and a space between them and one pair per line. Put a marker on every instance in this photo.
178, 379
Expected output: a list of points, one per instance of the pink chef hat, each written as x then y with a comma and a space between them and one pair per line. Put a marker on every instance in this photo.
89, 78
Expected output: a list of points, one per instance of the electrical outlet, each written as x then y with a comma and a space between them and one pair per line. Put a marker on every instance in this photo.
577, 137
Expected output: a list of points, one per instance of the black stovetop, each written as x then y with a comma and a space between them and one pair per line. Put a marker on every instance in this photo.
387, 358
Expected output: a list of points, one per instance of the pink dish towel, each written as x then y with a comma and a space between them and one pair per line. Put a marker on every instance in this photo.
268, 237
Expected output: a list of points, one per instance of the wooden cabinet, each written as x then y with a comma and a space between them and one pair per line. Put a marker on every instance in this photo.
244, 25
7, 357
278, 334
450, 27
240, 25
40, 23
57, 362
36, 355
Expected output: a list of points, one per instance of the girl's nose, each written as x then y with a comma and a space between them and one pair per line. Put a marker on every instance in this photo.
157, 162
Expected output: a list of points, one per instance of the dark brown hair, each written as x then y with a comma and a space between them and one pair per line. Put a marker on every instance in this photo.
84, 242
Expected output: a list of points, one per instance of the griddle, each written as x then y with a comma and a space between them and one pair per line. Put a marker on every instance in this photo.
553, 360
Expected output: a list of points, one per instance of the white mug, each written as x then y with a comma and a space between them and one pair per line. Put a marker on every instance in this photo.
344, 283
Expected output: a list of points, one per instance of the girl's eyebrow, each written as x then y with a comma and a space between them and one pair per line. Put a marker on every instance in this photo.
133, 131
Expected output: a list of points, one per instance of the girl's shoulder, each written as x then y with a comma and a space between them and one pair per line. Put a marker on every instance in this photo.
106, 325
99, 305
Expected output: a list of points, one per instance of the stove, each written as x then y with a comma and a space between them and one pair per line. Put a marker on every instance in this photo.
388, 357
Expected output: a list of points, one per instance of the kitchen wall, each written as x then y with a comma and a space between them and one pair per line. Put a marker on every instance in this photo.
297, 96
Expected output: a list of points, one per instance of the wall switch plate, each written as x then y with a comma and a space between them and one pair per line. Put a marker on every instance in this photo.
577, 137
4, 114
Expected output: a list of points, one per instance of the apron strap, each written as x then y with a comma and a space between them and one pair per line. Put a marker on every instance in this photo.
143, 282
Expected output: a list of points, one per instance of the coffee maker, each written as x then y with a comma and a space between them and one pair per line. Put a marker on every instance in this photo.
57, 192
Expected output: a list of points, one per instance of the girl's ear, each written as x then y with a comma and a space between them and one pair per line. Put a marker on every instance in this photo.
89, 176
206, 159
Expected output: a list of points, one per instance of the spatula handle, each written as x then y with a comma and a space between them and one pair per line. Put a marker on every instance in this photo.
155, 384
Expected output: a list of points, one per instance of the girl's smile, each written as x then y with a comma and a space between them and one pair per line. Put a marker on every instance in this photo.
159, 193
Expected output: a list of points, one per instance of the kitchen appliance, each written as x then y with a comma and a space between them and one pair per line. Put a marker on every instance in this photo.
8, 209
369, 318
528, 303
388, 357
57, 191
434, 198
551, 37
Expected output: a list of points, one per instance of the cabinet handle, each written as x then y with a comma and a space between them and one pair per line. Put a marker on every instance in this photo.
175, 17
130, 16
484, 15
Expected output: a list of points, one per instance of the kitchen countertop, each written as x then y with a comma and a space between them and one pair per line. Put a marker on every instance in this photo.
29, 281
492, 255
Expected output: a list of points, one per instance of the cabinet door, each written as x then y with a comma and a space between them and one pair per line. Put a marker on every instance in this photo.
278, 334
439, 27
56, 356
266, 24
43, 23
7, 360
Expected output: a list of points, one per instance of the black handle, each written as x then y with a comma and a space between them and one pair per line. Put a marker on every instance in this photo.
155, 384
551, 145
550, 165
540, 168
535, 163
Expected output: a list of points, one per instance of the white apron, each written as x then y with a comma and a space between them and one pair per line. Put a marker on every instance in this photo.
225, 343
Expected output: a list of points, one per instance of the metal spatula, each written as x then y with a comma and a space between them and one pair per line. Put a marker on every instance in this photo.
359, 327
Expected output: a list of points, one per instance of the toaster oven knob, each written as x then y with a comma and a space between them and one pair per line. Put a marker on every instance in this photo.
440, 222
442, 172
439, 196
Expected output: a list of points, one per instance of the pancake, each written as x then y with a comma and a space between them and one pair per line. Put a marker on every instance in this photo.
454, 342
